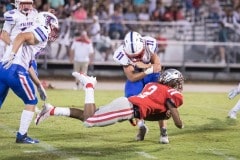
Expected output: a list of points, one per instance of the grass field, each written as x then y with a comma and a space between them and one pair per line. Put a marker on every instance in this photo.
208, 134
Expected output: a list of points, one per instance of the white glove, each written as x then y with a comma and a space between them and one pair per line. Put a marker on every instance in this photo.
234, 92
149, 70
42, 93
8, 61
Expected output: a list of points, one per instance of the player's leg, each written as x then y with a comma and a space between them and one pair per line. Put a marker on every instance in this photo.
89, 108
162, 123
23, 87
233, 112
118, 110
163, 132
131, 89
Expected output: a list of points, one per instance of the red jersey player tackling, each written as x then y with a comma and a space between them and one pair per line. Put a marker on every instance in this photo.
157, 101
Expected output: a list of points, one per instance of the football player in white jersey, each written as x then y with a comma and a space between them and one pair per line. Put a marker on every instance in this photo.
141, 65
15, 65
17, 21
233, 93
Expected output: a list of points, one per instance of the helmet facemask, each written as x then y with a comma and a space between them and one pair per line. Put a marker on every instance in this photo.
136, 57
53, 35
24, 6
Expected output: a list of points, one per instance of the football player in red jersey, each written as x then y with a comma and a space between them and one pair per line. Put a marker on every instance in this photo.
157, 101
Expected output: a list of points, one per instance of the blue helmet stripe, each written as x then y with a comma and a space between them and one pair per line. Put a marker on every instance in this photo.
41, 34
131, 38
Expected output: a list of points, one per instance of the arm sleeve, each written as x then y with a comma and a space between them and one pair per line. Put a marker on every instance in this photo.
41, 33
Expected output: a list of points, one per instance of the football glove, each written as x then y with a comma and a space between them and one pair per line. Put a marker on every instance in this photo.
149, 70
234, 92
8, 61
42, 92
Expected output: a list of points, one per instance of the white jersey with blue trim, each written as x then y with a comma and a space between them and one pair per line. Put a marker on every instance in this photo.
121, 58
26, 52
16, 22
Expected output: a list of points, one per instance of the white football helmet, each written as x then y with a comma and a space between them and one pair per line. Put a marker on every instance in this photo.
172, 78
24, 6
50, 21
134, 45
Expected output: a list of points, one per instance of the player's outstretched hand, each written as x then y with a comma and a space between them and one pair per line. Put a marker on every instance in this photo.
42, 92
234, 92
8, 61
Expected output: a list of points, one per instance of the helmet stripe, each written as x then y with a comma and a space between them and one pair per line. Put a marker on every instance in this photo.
131, 39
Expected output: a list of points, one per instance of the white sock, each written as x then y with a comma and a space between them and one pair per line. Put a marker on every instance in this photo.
236, 107
25, 121
60, 111
140, 123
89, 95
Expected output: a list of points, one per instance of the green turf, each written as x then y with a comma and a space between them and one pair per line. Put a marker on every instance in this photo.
208, 134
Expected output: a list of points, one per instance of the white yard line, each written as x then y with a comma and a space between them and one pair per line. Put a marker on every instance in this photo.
43, 147
217, 152
146, 155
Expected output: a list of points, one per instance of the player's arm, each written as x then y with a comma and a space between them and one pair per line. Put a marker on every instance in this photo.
38, 84
34, 77
26, 37
155, 61
132, 75
5, 37
175, 114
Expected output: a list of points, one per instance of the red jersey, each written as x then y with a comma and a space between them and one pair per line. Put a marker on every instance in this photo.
153, 97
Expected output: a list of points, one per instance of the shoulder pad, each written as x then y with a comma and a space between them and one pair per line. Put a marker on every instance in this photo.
11, 16
151, 43
120, 57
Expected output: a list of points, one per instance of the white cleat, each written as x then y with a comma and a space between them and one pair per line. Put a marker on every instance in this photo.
84, 79
44, 114
164, 139
232, 115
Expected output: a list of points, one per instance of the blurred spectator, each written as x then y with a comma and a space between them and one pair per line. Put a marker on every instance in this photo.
65, 38
102, 12
116, 28
130, 14
56, 4
2, 10
6, 5
70, 7
138, 3
80, 13
236, 14
143, 14
158, 12
104, 46
173, 13
214, 9
229, 19
38, 4
95, 30
222, 37
162, 45
152, 5
81, 54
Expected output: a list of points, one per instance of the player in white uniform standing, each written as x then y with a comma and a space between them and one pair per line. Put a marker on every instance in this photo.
17, 21
233, 93
141, 65
15, 65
